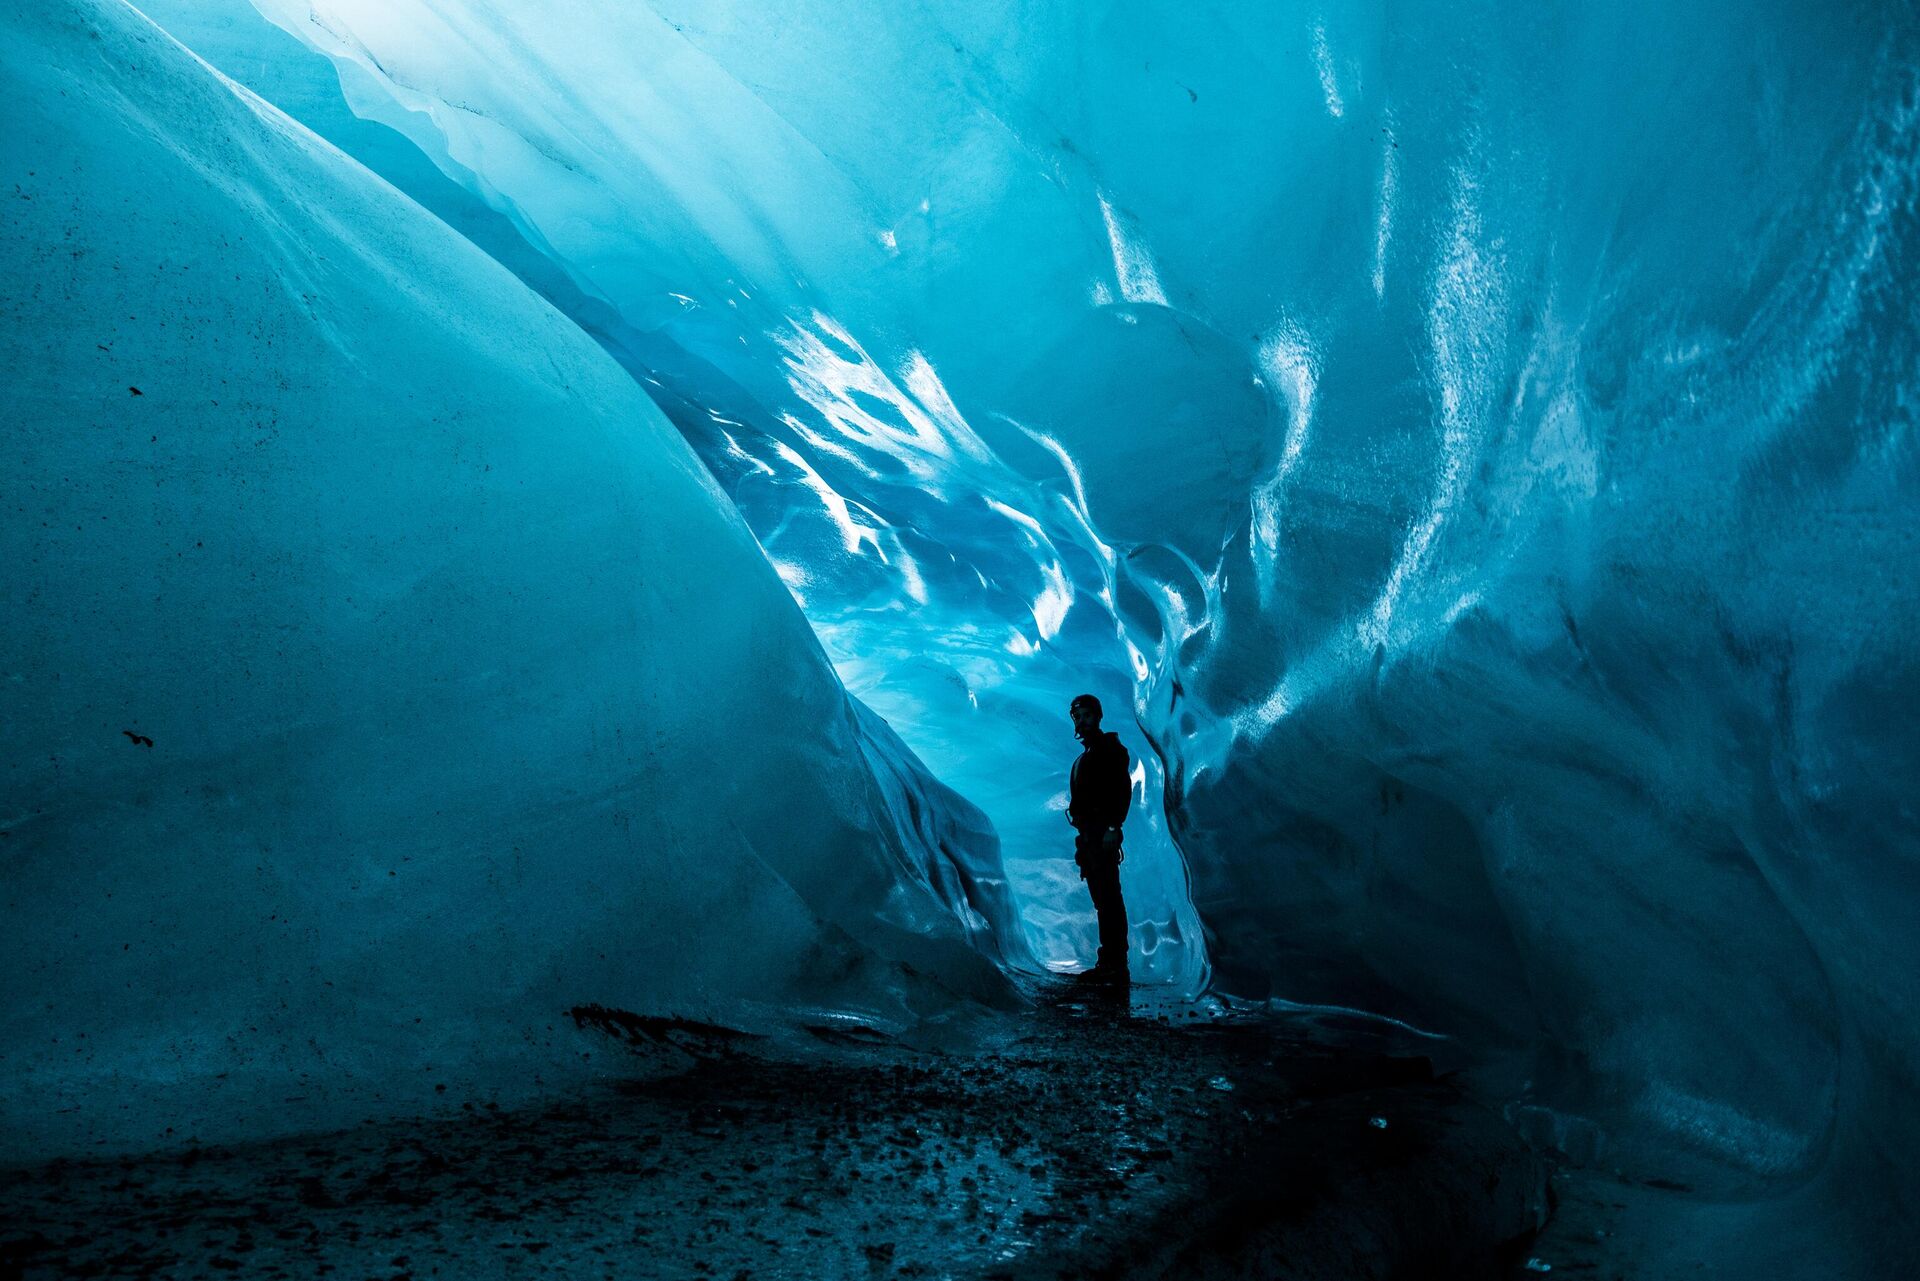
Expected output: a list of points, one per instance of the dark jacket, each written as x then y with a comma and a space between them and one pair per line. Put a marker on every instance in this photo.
1100, 789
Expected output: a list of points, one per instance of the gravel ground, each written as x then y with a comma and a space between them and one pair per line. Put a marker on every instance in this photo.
1092, 1138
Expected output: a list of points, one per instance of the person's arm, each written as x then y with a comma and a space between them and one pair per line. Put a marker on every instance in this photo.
1119, 797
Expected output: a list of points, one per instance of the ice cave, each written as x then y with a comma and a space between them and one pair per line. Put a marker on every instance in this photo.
548, 547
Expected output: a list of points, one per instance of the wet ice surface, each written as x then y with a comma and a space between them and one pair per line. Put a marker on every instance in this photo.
1081, 1138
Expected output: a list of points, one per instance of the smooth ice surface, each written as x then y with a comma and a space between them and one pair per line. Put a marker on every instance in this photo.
1481, 436
383, 675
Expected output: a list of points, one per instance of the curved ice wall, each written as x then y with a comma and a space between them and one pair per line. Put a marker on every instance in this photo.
948, 563
383, 673
1489, 425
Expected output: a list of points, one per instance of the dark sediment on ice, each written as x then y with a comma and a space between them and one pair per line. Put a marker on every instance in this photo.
1085, 1141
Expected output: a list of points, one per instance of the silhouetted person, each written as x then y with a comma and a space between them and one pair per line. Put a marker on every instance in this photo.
1100, 790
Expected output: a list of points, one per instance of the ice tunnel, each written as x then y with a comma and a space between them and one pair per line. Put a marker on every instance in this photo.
625, 492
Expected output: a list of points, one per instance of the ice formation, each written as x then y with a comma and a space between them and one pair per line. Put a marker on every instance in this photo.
384, 675
1477, 442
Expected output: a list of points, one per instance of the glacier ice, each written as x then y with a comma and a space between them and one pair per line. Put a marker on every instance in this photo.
384, 674
978, 680
941, 588
1480, 437
1476, 440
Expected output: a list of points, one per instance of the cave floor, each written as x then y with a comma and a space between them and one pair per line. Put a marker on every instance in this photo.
1095, 1138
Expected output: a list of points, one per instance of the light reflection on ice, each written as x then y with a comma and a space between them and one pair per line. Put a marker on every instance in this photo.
1464, 326
1132, 265
1323, 65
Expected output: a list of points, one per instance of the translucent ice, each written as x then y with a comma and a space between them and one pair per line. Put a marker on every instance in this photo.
965, 599
1482, 437
383, 674
1479, 440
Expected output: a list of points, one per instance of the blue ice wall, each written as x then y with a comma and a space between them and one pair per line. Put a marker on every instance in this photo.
1480, 435
383, 675
942, 589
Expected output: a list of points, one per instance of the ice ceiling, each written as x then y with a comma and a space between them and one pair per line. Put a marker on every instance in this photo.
1476, 442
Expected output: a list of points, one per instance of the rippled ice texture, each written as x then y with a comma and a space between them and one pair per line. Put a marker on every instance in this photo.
1479, 436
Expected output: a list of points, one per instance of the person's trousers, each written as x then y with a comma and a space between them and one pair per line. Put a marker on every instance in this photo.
1102, 873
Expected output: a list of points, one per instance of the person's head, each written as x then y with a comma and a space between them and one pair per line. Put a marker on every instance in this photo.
1085, 711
